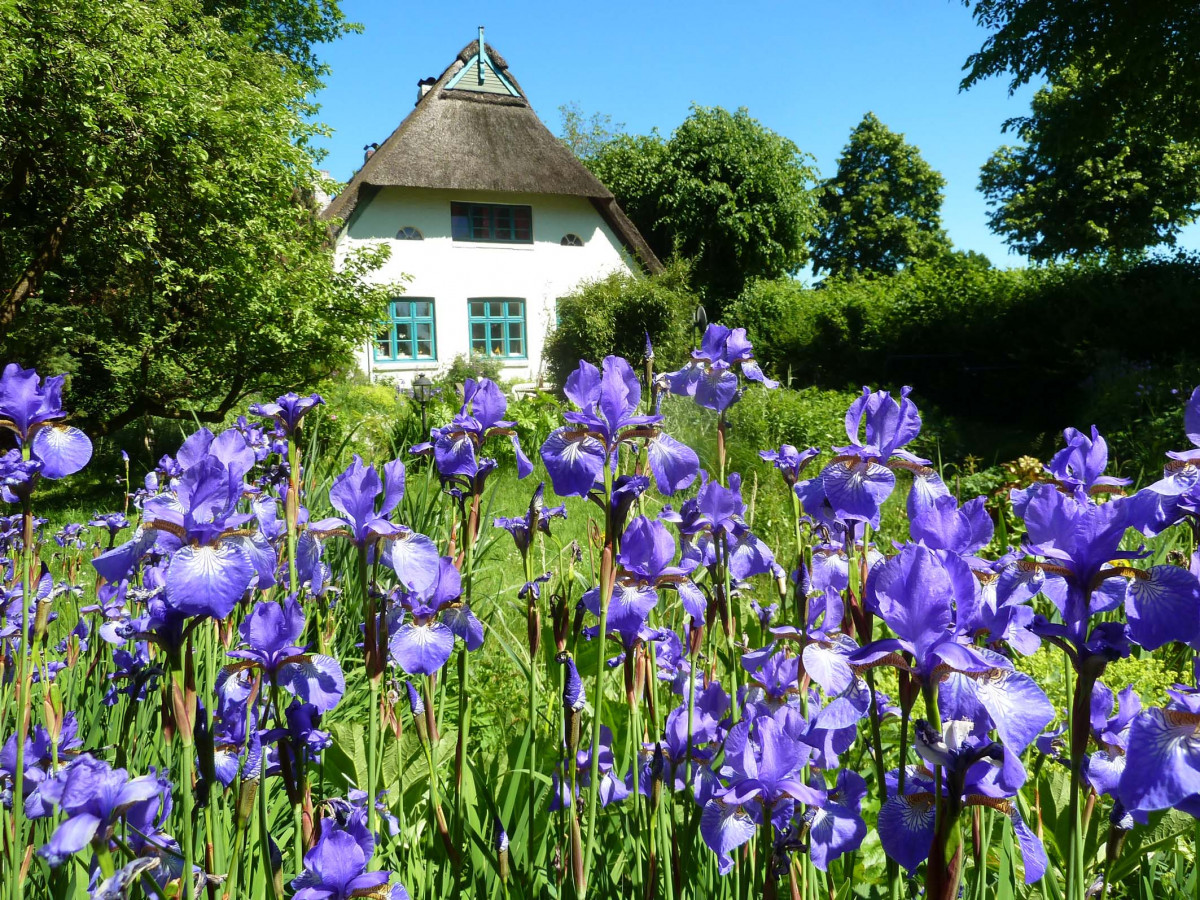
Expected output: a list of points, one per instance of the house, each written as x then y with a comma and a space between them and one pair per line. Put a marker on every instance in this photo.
490, 218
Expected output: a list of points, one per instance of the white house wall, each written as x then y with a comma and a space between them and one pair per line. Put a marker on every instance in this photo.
451, 272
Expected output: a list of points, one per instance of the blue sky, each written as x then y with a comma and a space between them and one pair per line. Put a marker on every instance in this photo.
808, 70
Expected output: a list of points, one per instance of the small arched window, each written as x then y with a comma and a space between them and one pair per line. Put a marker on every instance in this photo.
571, 240
409, 233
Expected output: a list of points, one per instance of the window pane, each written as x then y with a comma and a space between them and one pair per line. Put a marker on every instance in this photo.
503, 223
481, 224
516, 345
477, 309
422, 310
460, 222
424, 349
383, 344
478, 332
514, 309
522, 223
496, 309
496, 338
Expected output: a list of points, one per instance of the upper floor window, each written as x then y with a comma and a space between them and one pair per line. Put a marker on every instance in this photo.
571, 240
408, 333
492, 222
409, 233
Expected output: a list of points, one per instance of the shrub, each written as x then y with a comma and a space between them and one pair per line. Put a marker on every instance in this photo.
475, 366
614, 315
963, 334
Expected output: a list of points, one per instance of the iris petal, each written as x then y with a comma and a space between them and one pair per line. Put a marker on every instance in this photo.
208, 581
421, 649
62, 449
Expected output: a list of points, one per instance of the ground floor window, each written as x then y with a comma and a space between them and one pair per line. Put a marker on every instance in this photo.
408, 334
498, 327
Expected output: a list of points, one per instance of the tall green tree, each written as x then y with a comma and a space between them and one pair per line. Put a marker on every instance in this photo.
159, 239
882, 210
586, 135
1109, 159
723, 190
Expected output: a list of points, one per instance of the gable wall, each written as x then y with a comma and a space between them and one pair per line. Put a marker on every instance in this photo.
451, 272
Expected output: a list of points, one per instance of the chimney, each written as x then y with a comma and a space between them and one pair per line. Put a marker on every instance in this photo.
369, 151
423, 87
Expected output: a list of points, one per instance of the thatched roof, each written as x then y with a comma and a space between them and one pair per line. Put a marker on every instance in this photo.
462, 139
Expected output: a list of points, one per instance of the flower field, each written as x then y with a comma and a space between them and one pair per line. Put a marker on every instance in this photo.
262, 679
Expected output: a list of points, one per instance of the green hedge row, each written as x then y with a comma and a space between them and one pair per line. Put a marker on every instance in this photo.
1021, 346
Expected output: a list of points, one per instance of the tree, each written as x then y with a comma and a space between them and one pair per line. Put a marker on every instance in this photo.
1093, 175
1110, 159
882, 209
158, 235
725, 191
584, 135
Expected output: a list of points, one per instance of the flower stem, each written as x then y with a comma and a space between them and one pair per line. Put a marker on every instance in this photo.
606, 590
534, 634
370, 652
16, 888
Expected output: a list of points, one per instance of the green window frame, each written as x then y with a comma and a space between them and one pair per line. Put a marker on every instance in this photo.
409, 333
491, 223
497, 326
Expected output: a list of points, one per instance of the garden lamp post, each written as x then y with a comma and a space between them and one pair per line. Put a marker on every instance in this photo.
699, 323
421, 393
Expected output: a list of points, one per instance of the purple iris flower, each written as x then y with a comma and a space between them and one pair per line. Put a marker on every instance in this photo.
336, 868
647, 550
761, 776
575, 455
114, 523
715, 514
456, 446
836, 826
288, 410
197, 523
1162, 760
861, 476
32, 409
41, 751
1111, 734
301, 741
915, 594
789, 461
1079, 467
979, 772
270, 634
537, 518
670, 755
711, 376
235, 734
429, 619
1176, 496
1079, 538
92, 797
17, 475
612, 788
354, 494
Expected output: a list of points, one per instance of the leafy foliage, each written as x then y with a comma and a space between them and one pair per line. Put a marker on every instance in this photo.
614, 316
882, 209
584, 135
960, 331
1093, 173
1110, 159
722, 190
160, 241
